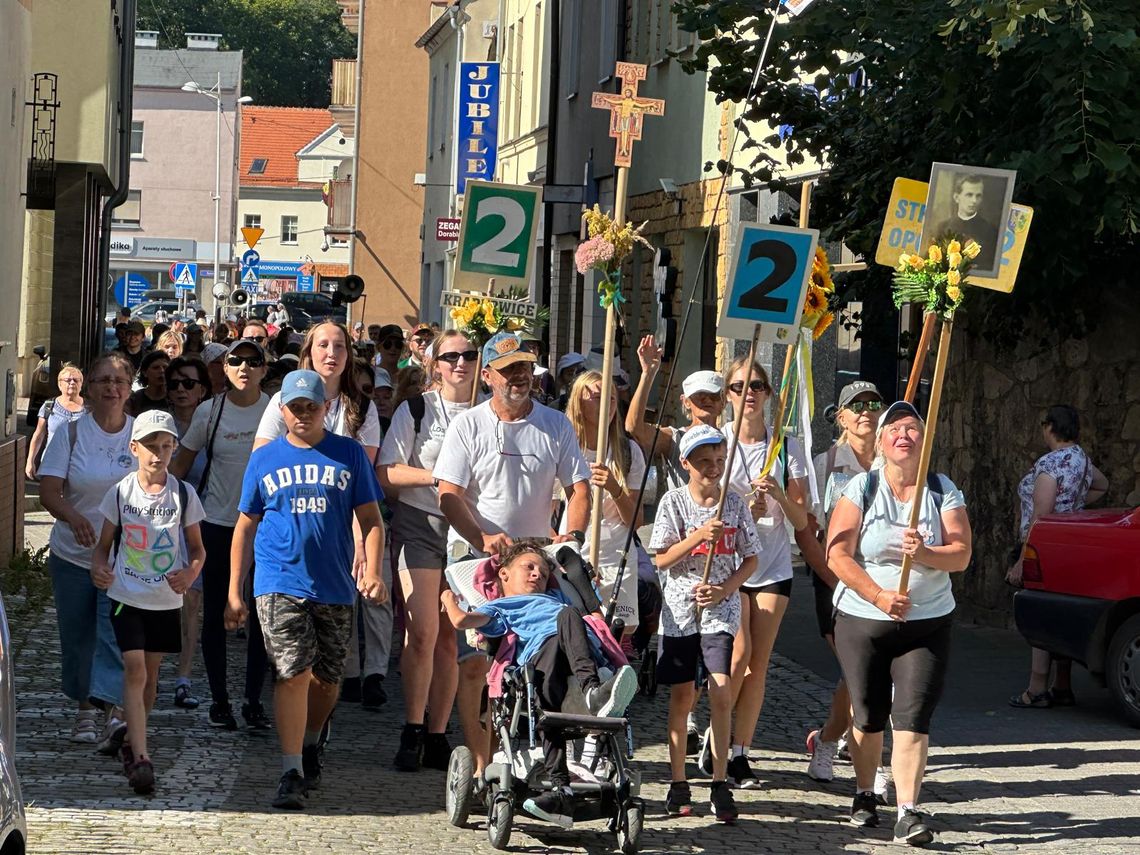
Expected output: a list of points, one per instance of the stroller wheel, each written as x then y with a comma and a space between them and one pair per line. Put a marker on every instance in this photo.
630, 823
460, 785
499, 821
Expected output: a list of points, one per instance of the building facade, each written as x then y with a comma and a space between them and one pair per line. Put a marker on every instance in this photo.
169, 215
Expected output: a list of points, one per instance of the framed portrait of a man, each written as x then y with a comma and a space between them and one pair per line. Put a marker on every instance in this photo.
969, 203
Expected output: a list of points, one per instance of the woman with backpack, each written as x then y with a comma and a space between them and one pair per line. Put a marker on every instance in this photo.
419, 534
224, 428
773, 497
893, 647
63, 409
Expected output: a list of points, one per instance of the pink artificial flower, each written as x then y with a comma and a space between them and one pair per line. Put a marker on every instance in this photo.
593, 253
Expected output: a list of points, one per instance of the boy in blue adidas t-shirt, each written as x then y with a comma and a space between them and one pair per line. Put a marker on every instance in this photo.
298, 499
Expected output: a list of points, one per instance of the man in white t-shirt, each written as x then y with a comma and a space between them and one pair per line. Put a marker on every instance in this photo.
495, 473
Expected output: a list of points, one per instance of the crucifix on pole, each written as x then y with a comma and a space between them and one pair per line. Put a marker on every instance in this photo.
627, 113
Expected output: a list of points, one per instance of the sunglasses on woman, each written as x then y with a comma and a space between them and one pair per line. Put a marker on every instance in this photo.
453, 357
252, 361
184, 383
755, 386
858, 407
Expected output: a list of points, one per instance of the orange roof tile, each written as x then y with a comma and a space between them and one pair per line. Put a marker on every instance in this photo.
276, 134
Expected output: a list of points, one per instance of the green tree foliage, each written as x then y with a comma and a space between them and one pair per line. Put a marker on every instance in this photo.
882, 89
288, 45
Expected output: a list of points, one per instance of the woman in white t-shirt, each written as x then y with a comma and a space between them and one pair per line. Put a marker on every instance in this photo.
428, 666
223, 428
893, 647
619, 477
67, 407
82, 462
775, 496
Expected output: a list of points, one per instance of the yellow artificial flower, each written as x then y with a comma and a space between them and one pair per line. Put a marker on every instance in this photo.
953, 278
954, 259
822, 325
935, 253
953, 247
972, 249
954, 292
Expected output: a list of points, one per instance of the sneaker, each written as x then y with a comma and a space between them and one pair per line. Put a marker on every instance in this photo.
692, 740
679, 801
882, 785
222, 716
141, 777
86, 728
556, 806
842, 752
312, 760
436, 752
822, 764
183, 698
865, 811
723, 804
291, 791
704, 755
114, 733
410, 754
350, 690
255, 717
612, 697
372, 695
912, 828
740, 774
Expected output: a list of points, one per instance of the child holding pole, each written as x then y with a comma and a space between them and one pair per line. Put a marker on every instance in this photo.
699, 619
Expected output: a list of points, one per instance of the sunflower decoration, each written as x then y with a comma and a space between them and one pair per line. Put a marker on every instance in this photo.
607, 245
479, 319
818, 315
935, 282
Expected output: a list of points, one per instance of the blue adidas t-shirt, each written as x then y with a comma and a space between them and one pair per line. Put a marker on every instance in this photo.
306, 498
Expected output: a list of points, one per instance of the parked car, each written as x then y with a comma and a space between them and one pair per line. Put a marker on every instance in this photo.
13, 826
319, 307
41, 388
145, 311
299, 319
1081, 596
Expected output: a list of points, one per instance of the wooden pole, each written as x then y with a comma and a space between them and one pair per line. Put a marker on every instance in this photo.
604, 411
737, 421
920, 357
928, 438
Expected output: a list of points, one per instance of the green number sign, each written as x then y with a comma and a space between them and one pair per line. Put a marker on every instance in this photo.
496, 235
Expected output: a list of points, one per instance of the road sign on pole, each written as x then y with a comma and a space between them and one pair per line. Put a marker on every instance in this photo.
496, 236
184, 276
768, 282
252, 235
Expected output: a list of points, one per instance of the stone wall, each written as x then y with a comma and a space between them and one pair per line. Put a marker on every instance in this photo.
990, 431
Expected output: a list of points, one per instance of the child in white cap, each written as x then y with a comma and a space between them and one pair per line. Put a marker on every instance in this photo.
151, 520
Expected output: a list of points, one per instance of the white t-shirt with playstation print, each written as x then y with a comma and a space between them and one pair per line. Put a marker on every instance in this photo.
152, 542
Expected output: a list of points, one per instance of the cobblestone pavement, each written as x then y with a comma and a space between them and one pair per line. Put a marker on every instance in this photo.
1000, 780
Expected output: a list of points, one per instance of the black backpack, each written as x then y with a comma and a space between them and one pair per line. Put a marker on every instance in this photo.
871, 487
182, 498
418, 408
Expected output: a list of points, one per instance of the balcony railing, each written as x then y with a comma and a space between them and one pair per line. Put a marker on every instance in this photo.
339, 200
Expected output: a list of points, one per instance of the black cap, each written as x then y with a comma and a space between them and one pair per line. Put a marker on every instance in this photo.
391, 330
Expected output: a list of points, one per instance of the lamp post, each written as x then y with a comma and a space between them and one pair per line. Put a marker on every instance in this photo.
216, 94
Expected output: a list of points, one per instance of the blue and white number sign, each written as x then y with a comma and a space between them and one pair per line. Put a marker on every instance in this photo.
768, 282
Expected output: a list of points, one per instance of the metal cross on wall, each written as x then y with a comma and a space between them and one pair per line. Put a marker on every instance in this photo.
627, 110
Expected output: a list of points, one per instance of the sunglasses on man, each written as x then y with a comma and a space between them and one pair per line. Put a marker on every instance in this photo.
184, 383
392, 343
252, 361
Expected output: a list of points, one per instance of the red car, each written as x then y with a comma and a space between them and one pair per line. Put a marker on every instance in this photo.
1081, 596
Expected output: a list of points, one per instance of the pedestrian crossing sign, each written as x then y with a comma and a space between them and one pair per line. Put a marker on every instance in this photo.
184, 276
249, 277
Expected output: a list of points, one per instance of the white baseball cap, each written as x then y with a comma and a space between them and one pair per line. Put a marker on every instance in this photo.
703, 381
152, 422
697, 436
382, 379
569, 360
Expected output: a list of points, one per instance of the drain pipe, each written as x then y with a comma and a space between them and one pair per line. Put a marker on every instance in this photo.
126, 109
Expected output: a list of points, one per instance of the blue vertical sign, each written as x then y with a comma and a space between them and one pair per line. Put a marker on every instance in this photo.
478, 145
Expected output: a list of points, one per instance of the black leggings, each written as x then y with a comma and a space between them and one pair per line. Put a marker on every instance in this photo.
215, 594
912, 656
559, 657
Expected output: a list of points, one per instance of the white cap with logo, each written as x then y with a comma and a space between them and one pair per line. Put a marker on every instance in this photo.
703, 381
152, 422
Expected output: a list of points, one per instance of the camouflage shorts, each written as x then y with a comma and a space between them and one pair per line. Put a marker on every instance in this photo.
300, 634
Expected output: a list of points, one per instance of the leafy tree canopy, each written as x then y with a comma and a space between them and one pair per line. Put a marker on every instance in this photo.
288, 45
883, 88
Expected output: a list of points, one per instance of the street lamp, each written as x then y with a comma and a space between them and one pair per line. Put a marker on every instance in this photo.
215, 93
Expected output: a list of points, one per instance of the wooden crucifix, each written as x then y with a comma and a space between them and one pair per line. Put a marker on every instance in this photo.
627, 111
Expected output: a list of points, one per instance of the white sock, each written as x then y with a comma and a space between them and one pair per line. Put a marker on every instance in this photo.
691, 722
738, 751
290, 762
903, 808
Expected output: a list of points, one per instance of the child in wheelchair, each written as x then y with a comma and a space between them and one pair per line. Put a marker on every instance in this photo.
554, 641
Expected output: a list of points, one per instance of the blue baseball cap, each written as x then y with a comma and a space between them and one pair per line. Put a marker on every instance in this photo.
303, 384
695, 437
505, 349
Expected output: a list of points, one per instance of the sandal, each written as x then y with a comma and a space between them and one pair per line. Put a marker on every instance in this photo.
1028, 700
1062, 697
